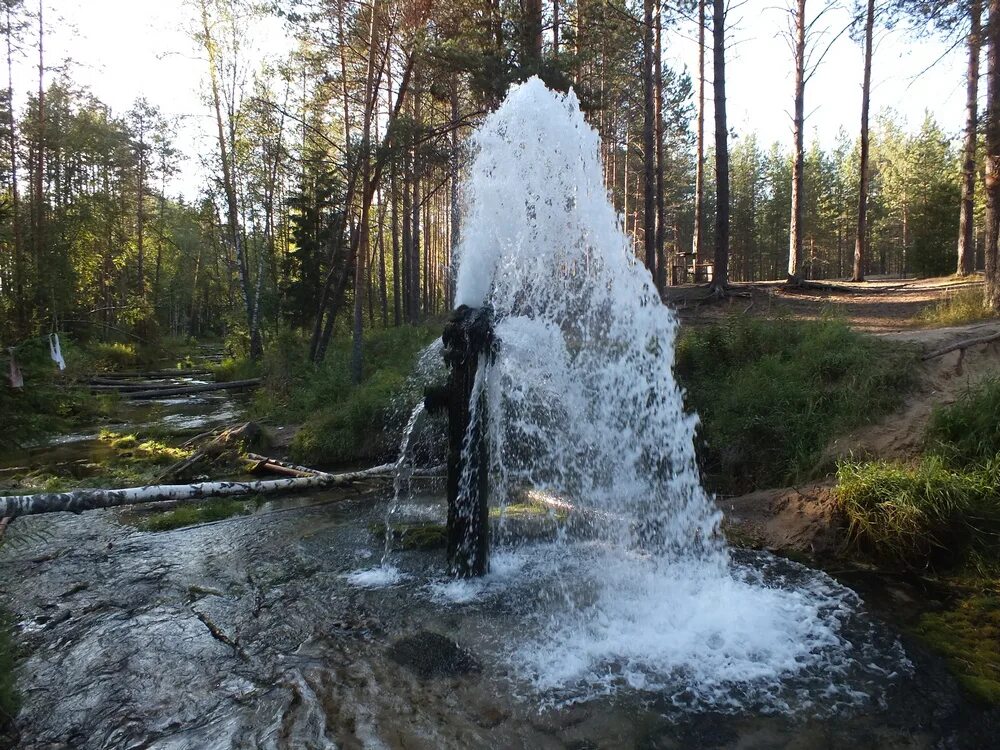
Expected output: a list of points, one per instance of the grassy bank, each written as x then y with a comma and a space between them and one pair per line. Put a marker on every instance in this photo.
940, 514
771, 394
942, 511
958, 308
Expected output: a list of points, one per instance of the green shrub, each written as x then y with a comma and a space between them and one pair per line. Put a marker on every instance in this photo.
960, 307
342, 422
771, 394
928, 514
968, 431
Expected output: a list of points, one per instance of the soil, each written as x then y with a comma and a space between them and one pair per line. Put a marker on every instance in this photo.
802, 520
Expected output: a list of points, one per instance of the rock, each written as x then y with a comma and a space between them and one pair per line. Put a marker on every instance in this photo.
428, 654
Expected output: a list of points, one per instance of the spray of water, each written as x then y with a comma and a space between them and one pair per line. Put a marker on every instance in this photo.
582, 402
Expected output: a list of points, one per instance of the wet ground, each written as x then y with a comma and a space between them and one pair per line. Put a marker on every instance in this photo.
253, 633
246, 633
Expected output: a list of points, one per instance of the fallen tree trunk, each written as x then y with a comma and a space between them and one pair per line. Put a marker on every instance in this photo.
129, 388
962, 345
188, 390
152, 374
266, 463
77, 501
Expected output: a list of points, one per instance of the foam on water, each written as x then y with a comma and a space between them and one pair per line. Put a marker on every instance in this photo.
581, 401
375, 578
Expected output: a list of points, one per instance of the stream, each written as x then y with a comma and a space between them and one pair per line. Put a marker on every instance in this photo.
254, 632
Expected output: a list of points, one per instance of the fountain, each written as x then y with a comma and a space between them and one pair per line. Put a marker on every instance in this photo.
560, 355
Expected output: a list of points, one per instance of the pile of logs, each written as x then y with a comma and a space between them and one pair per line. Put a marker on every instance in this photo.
149, 390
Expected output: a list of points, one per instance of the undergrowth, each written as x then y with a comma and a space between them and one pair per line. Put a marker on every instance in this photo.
958, 308
924, 515
771, 394
343, 422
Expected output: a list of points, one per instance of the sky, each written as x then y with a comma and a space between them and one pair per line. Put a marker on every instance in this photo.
123, 49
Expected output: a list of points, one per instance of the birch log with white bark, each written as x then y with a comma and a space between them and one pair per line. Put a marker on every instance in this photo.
77, 501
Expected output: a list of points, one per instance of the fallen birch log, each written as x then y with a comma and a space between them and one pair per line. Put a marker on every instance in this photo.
77, 501
129, 388
266, 463
962, 345
152, 374
188, 390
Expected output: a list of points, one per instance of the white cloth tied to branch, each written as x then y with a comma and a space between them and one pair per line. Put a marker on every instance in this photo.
55, 352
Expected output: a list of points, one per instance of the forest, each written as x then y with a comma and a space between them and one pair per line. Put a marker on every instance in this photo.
711, 460
334, 201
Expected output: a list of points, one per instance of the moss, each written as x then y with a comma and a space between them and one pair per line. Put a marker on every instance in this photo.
771, 394
968, 635
10, 699
192, 515
529, 510
413, 535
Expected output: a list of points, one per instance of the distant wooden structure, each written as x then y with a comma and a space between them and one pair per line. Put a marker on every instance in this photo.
686, 269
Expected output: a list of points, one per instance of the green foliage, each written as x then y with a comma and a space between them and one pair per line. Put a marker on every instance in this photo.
48, 402
342, 422
958, 308
772, 393
191, 515
968, 635
968, 431
928, 514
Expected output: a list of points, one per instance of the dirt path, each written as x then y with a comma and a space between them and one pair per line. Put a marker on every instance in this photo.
872, 306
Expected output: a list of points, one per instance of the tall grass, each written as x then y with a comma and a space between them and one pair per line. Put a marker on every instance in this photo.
958, 308
945, 510
772, 393
968, 431
923, 515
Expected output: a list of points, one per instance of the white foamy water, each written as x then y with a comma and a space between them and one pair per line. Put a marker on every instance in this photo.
582, 402
375, 578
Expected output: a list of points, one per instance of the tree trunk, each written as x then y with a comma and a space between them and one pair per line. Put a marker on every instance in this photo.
661, 219
229, 188
992, 176
798, 163
699, 174
20, 306
648, 141
78, 501
862, 234
361, 257
966, 221
720, 273
531, 62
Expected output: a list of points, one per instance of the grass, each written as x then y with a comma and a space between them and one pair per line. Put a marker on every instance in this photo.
771, 394
944, 510
969, 637
968, 431
958, 308
342, 422
928, 515
191, 515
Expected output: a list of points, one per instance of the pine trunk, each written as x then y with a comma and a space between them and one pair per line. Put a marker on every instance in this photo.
720, 273
992, 177
862, 233
966, 221
798, 163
